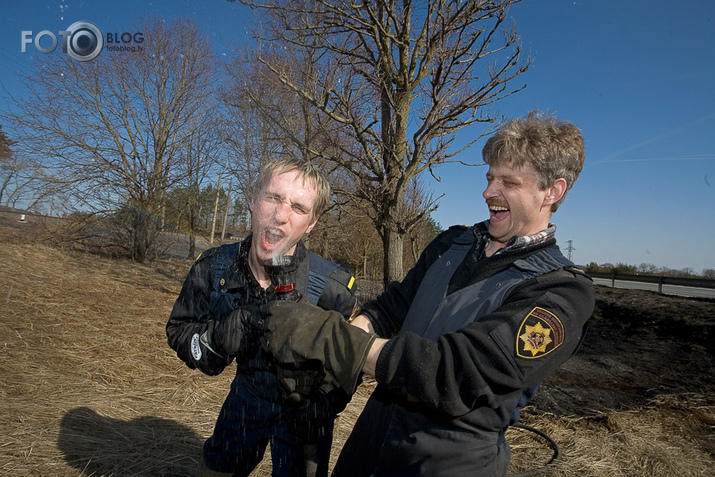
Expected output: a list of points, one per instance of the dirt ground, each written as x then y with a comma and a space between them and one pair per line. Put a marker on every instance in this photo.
89, 386
640, 345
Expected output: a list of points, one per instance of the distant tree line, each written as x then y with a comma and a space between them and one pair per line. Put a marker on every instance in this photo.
648, 269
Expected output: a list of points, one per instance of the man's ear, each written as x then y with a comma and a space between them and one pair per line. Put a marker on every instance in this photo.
310, 227
556, 191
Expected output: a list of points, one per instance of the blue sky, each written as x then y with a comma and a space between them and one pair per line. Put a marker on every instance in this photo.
635, 75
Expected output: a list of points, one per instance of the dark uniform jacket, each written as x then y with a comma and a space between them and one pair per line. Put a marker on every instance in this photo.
471, 338
193, 313
254, 410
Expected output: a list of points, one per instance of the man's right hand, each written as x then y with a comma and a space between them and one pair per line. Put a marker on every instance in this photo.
237, 334
227, 334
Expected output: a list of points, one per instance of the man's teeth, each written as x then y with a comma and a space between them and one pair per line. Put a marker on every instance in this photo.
273, 236
497, 208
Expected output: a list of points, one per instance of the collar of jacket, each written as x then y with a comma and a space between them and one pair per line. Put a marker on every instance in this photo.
481, 231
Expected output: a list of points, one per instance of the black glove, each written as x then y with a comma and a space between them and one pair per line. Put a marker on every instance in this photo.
297, 382
299, 332
237, 334
252, 331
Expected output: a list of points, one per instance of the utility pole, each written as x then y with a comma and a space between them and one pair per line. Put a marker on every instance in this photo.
228, 204
213, 221
570, 249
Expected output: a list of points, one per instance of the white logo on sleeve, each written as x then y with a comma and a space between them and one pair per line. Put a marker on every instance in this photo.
196, 347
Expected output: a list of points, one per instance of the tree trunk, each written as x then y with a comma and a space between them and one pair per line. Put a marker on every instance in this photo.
225, 214
392, 243
364, 261
141, 236
192, 234
213, 221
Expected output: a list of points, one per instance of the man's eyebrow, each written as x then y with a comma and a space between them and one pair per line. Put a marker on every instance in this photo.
504, 175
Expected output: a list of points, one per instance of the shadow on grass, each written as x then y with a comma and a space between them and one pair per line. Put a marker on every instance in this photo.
151, 446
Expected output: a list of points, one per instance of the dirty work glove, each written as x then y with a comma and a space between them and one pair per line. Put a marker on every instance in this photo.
297, 382
299, 332
313, 417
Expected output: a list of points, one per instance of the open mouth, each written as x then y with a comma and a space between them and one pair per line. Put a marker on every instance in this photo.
272, 237
497, 212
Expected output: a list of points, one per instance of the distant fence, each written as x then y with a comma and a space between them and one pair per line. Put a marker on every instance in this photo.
692, 282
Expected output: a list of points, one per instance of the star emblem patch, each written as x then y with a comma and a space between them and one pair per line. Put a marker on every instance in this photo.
540, 333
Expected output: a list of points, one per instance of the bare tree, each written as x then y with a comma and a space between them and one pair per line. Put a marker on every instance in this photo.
355, 239
112, 128
6, 145
198, 158
391, 82
268, 120
10, 167
23, 181
425, 229
249, 138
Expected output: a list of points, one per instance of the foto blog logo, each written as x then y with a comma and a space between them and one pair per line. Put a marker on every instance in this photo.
82, 41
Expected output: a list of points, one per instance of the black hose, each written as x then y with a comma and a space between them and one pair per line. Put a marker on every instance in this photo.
549, 440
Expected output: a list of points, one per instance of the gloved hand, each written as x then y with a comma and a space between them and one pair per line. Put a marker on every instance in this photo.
298, 332
237, 334
252, 328
313, 417
297, 382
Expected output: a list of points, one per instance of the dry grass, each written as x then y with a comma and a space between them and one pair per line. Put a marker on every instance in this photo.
89, 386
671, 437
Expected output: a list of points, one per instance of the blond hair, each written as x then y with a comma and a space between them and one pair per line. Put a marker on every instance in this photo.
307, 172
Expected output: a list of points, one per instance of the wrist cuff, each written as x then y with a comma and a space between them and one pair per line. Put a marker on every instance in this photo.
382, 365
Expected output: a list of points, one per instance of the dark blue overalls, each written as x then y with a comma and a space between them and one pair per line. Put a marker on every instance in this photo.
254, 413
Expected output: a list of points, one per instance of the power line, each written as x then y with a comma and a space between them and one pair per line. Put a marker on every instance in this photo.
16, 58
570, 249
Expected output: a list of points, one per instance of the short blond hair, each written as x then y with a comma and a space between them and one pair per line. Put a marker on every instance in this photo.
554, 148
307, 172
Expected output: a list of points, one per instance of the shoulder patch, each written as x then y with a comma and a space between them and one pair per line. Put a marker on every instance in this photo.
540, 333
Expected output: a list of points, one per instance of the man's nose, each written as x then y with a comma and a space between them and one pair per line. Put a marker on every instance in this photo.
489, 191
282, 212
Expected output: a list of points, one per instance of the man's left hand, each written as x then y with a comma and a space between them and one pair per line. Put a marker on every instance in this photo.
297, 382
312, 418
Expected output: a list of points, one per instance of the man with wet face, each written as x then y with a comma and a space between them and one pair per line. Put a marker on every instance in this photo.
281, 213
216, 319
461, 343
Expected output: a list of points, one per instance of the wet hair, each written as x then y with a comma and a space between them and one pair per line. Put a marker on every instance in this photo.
307, 172
554, 148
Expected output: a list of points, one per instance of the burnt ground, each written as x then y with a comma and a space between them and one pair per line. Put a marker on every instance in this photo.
640, 345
